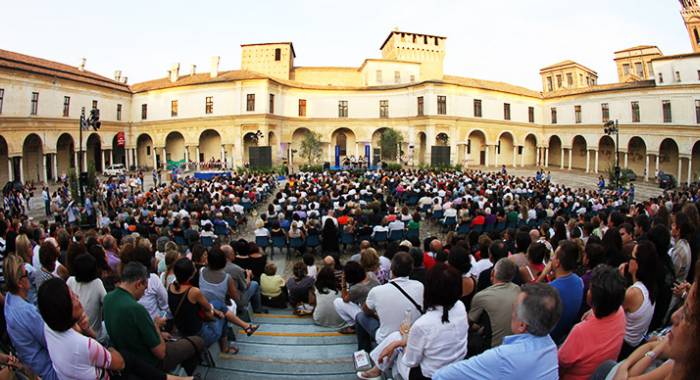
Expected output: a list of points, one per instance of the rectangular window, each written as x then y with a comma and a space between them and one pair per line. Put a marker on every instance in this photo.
626, 69
119, 112
531, 114
2, 97
250, 102
272, 103
209, 105
144, 111
605, 110
661, 78
397, 77
697, 111
302, 107
66, 106
506, 111
650, 69
698, 74
383, 108
173, 108
35, 103
477, 107
559, 81
678, 76
379, 76
666, 105
640, 69
412, 78
635, 112
94, 104
569, 79
577, 114
554, 115
442, 105
550, 85
342, 108
420, 106
278, 54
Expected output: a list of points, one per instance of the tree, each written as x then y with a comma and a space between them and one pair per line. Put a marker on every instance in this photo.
311, 147
389, 142
73, 184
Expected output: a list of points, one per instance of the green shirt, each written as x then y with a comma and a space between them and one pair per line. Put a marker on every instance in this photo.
130, 326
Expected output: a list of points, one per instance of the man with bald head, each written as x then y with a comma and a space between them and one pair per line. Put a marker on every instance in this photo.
248, 291
434, 248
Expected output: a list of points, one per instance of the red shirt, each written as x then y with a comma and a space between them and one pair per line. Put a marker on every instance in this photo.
428, 260
590, 343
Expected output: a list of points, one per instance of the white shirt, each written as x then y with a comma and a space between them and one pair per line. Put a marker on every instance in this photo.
75, 356
480, 266
155, 298
396, 225
92, 295
389, 304
433, 344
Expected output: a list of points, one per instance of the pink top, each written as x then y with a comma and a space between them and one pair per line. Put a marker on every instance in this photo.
590, 343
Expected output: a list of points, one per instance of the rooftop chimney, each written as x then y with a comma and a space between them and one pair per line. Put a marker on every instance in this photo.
174, 72
125, 79
194, 70
214, 72
117, 75
82, 64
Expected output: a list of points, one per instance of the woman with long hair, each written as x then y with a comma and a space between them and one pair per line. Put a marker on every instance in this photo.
640, 297
325, 293
329, 237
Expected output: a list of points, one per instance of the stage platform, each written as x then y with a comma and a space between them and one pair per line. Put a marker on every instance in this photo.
210, 174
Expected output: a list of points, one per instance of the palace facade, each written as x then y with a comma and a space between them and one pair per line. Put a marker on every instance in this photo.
218, 114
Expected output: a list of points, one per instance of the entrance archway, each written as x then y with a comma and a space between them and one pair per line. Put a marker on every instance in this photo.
297, 138
554, 151
174, 147
144, 151
668, 157
93, 149
636, 155
32, 156
209, 146
476, 154
118, 153
606, 154
504, 149
344, 138
579, 148
695, 159
4, 152
65, 154
530, 150
422, 142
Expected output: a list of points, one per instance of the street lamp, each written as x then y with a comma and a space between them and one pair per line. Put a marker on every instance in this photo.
610, 128
92, 122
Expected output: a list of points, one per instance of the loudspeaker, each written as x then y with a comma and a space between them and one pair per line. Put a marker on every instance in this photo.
376, 156
439, 155
260, 157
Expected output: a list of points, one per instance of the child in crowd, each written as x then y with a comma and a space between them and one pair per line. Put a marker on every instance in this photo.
310, 262
300, 286
272, 287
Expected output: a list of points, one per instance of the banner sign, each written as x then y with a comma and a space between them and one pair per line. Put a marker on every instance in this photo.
337, 156
368, 156
121, 139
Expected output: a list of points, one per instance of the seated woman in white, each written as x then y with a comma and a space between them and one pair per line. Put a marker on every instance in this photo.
438, 338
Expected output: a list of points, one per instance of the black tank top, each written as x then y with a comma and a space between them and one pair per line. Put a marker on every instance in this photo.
187, 319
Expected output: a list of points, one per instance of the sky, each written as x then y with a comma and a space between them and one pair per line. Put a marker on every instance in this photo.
501, 40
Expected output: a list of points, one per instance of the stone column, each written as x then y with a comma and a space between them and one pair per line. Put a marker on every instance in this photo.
561, 165
546, 157
596, 161
21, 170
111, 157
522, 158
233, 157
680, 167
646, 167
496, 155
164, 159
486, 155
223, 154
84, 153
187, 155
54, 165
657, 164
154, 154
588, 161
10, 169
625, 160
690, 166
135, 152
515, 153
571, 154
75, 160
43, 167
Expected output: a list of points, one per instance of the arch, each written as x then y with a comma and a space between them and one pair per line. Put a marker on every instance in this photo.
606, 153
65, 153
422, 143
668, 157
636, 155
554, 151
476, 147
345, 139
118, 155
695, 162
32, 159
209, 146
579, 149
529, 150
276, 148
144, 151
174, 146
442, 139
4, 156
93, 150
504, 148
297, 137
377, 149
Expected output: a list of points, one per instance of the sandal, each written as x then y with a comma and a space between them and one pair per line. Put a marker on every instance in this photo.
347, 330
232, 350
251, 329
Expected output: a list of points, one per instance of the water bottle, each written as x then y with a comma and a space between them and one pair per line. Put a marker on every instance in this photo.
405, 326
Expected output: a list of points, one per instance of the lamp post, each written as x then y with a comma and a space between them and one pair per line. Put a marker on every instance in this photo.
93, 122
611, 127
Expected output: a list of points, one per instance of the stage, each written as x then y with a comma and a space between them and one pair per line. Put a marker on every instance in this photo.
211, 174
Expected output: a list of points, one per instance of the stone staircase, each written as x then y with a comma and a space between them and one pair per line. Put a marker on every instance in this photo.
286, 347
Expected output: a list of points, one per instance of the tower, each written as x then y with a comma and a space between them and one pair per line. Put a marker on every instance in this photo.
275, 59
691, 17
425, 49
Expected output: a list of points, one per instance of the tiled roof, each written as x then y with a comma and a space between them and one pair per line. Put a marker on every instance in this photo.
188, 80
491, 85
639, 47
567, 62
601, 88
36, 65
676, 56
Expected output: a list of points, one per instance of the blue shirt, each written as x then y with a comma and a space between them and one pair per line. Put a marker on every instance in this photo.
26, 329
519, 357
570, 289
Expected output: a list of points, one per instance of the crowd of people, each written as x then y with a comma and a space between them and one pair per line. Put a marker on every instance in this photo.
528, 276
